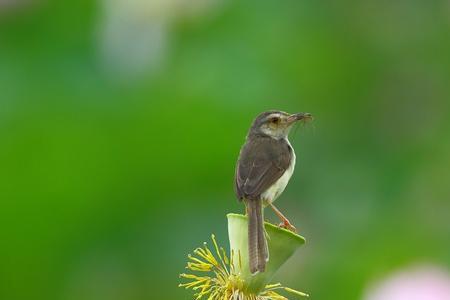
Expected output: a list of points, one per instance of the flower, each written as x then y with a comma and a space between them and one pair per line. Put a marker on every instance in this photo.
215, 276
418, 282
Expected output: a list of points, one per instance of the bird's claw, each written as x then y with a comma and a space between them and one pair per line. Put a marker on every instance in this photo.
288, 226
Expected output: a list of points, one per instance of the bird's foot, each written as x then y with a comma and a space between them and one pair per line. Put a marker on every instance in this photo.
287, 225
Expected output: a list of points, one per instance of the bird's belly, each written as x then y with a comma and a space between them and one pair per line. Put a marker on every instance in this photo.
272, 193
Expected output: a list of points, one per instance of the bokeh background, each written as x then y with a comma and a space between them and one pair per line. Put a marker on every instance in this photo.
121, 121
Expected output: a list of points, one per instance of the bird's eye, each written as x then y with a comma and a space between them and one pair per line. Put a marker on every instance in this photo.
275, 120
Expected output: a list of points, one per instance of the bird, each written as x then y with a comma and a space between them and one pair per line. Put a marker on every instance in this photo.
265, 164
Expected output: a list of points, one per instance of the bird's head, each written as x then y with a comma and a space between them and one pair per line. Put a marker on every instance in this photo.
277, 124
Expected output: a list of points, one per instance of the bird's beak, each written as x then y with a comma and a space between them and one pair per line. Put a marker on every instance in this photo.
298, 117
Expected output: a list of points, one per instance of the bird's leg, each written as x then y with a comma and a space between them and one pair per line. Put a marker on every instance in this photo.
285, 222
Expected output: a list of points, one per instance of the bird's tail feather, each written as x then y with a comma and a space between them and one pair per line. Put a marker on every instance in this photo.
257, 243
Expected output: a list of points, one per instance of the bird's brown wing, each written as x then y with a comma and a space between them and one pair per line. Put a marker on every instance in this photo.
261, 163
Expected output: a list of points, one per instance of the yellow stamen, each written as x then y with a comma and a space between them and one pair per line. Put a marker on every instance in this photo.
223, 281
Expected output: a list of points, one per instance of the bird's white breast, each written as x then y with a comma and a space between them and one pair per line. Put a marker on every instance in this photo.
272, 193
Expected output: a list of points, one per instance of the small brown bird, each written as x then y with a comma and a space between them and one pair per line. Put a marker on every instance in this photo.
265, 165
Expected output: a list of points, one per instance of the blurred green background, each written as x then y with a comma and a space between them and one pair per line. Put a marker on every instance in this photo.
121, 121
